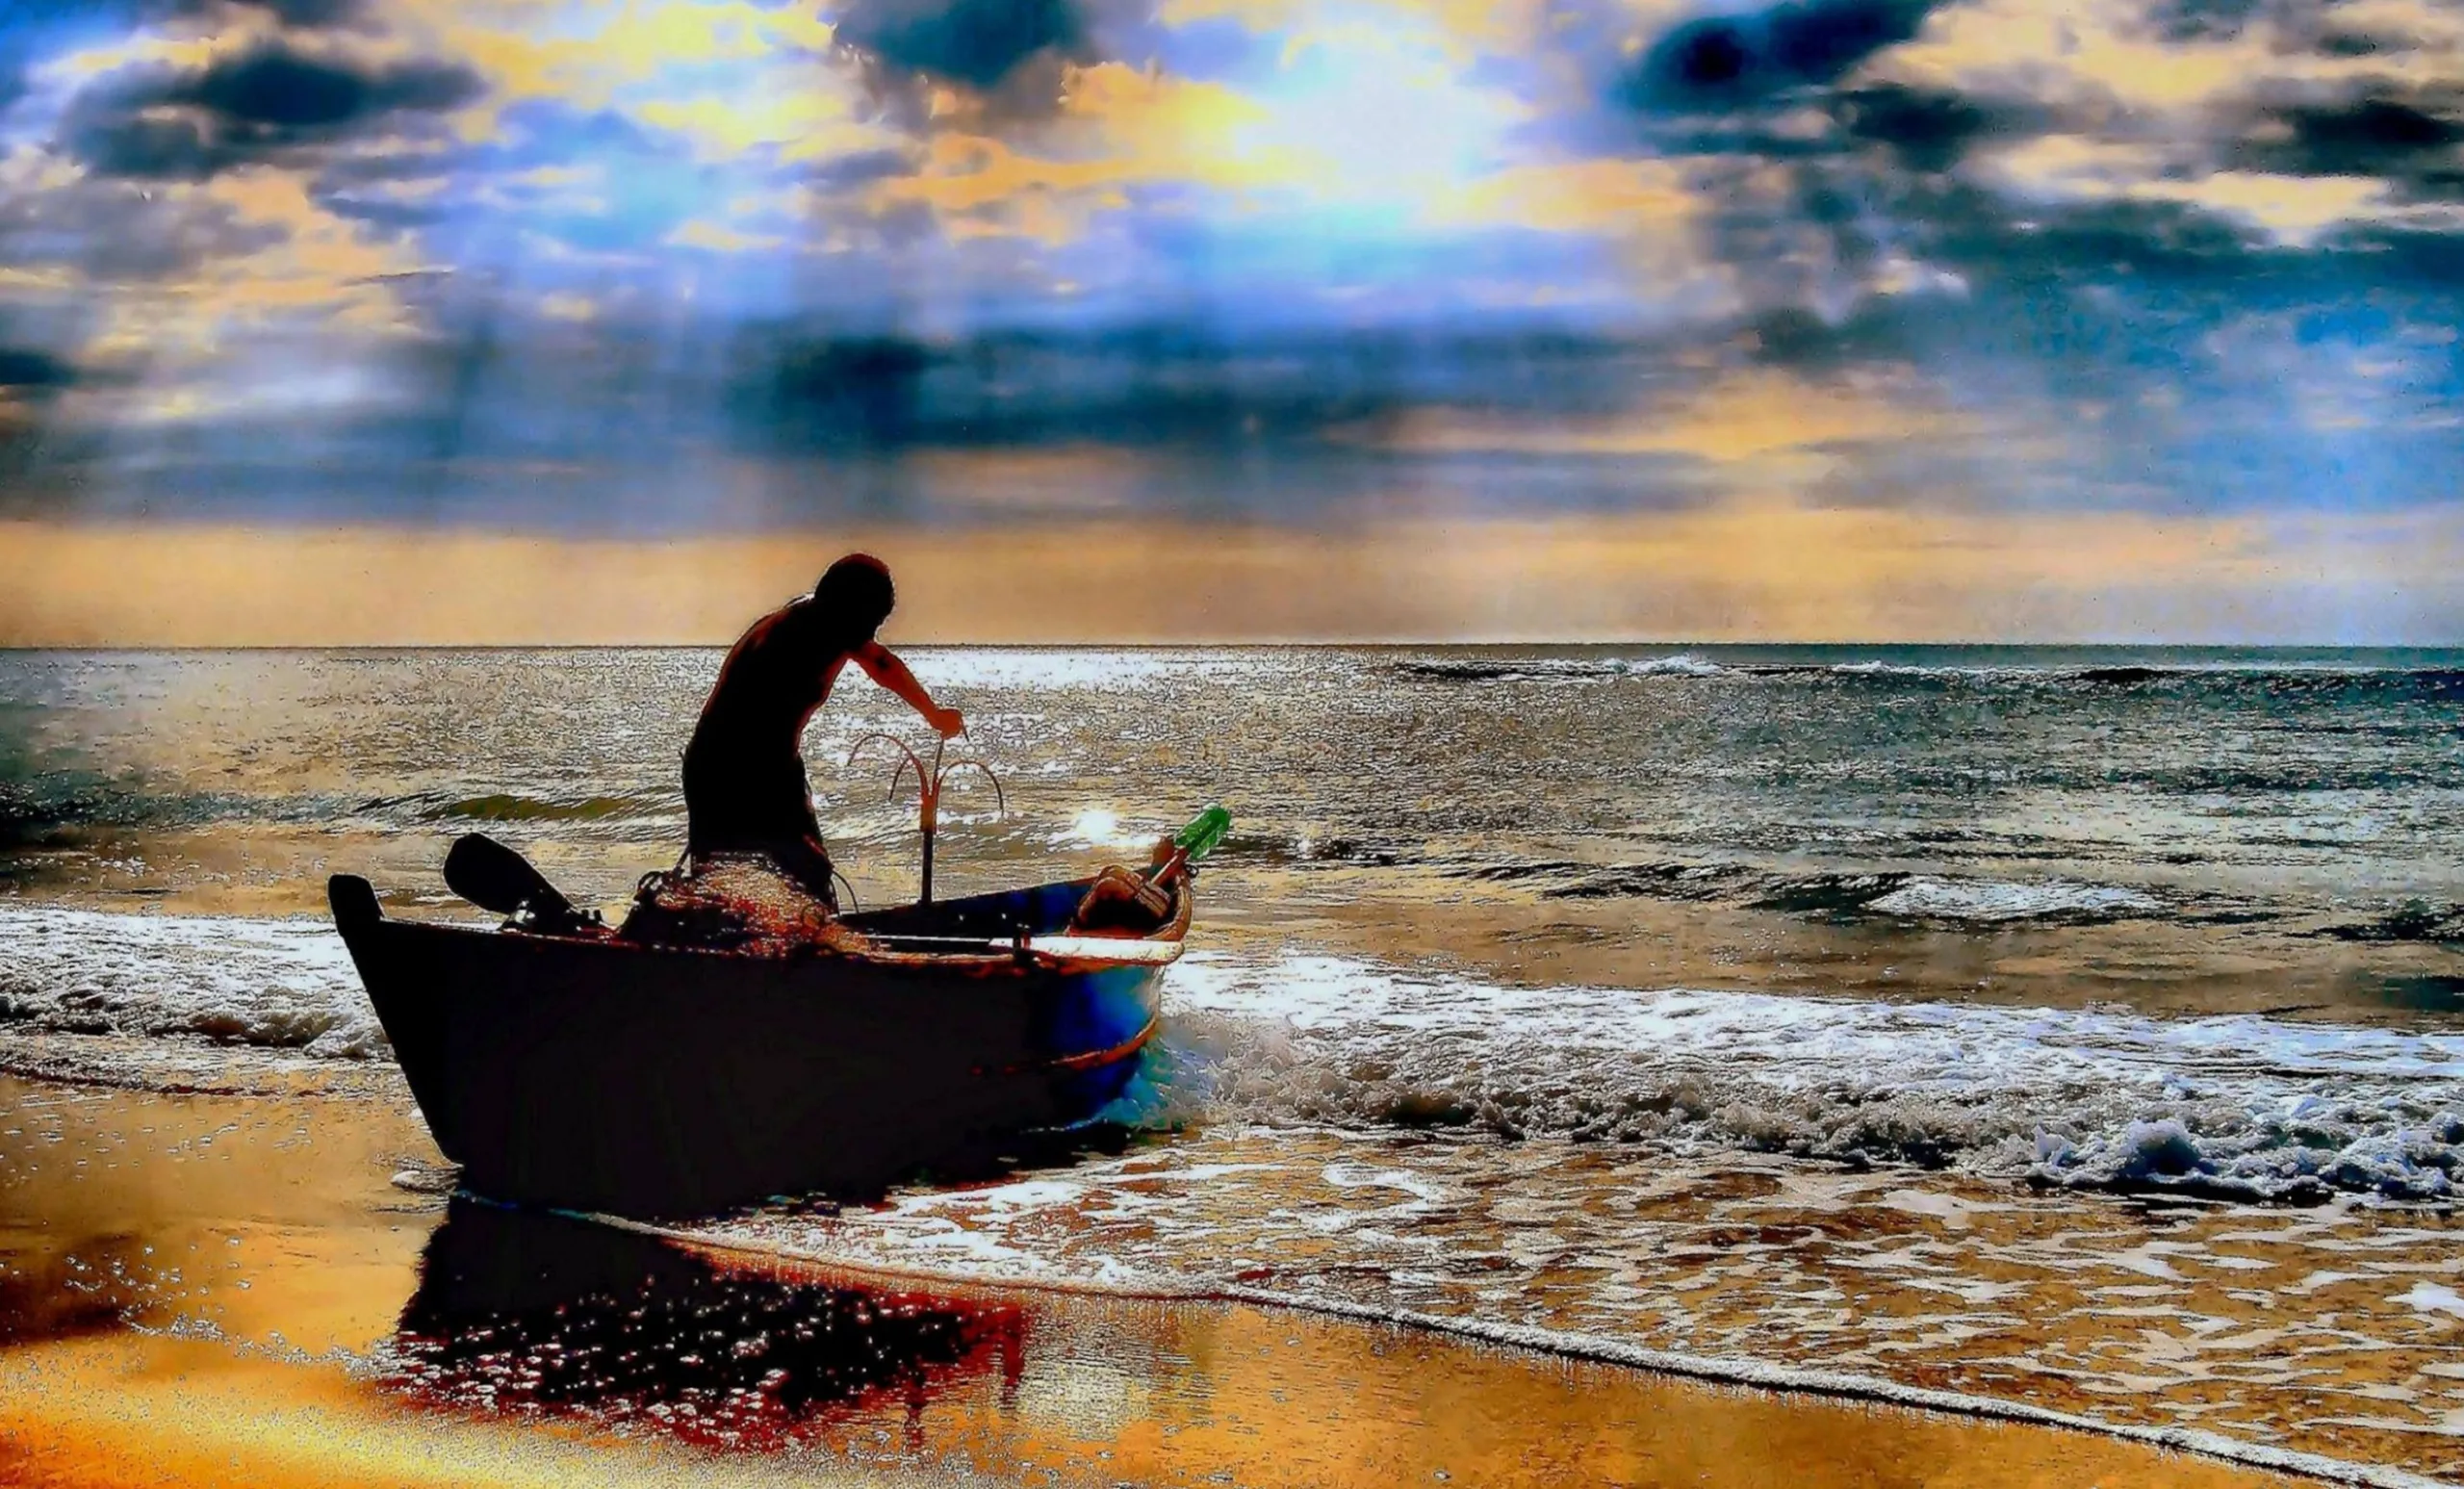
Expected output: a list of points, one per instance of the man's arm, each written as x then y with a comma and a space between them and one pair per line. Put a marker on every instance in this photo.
890, 672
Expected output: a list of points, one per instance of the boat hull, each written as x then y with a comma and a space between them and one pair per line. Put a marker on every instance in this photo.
598, 1074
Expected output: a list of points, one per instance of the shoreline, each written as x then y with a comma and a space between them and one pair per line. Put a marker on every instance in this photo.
1711, 1370
328, 1275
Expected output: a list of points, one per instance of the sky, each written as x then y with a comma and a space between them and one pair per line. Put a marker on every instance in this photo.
366, 321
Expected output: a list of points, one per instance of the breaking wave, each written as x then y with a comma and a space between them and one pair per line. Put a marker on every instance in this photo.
1922, 899
278, 984
1551, 669
2326, 682
2244, 1105
2240, 1105
509, 807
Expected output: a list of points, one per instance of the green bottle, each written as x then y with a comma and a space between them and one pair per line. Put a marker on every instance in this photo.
1205, 829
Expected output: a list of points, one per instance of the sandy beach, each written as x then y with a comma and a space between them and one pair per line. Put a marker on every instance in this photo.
206, 1290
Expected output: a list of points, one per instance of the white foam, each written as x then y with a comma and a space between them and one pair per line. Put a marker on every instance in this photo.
1685, 664
1569, 669
2073, 1096
2088, 1097
282, 984
1991, 901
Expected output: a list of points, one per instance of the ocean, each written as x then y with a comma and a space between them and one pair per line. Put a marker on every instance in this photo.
2081, 1028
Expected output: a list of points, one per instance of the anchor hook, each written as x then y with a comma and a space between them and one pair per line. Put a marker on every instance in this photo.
929, 782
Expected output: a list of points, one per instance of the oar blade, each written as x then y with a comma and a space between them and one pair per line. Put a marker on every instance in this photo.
494, 877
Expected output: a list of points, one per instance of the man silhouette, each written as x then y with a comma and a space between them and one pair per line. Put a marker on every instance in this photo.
745, 789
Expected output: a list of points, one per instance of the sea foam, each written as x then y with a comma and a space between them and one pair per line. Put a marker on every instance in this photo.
281, 983
2093, 1099
2239, 1104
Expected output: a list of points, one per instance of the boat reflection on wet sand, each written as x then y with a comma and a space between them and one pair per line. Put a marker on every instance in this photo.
531, 1314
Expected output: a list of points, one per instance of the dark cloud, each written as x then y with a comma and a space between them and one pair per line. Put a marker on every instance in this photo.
275, 88
27, 369
2088, 296
32, 30
1012, 56
270, 102
119, 232
2180, 356
297, 14
867, 390
1928, 129
2417, 257
502, 416
31, 378
977, 42
1155, 385
862, 168
2351, 44
312, 14
2203, 20
2355, 136
1727, 61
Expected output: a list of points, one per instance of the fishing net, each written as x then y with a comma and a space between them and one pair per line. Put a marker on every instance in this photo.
734, 902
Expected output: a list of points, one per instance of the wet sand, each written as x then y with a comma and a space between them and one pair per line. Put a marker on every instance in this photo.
208, 1289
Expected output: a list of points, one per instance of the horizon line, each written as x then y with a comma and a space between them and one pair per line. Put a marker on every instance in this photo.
1329, 644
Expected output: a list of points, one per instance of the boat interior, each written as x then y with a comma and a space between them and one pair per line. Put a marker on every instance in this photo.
1041, 910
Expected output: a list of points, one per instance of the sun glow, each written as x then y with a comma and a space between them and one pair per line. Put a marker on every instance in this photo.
1377, 121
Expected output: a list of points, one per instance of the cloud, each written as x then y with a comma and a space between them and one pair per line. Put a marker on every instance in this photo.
265, 103
1718, 60
1928, 129
938, 259
115, 233
1291, 423
307, 14
935, 65
2360, 136
31, 379
26, 370
977, 42
294, 14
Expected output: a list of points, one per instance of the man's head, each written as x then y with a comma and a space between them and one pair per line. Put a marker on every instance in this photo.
854, 596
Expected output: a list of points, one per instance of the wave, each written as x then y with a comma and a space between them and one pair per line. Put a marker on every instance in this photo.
277, 984
501, 807
2242, 1105
1922, 899
2415, 920
1990, 902
2326, 682
27, 821
1633, 881
46, 809
1546, 669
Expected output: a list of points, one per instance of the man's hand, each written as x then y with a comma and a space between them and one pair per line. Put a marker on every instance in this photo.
886, 669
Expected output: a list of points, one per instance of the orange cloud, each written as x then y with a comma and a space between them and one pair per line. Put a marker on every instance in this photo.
1771, 429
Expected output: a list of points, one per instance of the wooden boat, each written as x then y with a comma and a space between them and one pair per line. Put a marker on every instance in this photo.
579, 1070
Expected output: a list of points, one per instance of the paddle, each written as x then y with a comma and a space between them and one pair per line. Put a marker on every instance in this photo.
494, 877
